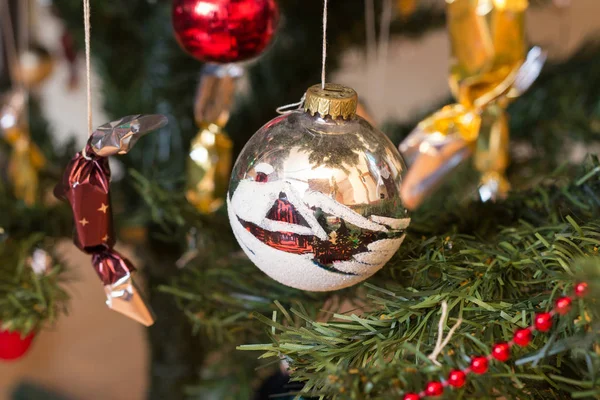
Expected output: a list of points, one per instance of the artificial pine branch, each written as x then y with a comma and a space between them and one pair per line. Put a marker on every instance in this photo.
494, 283
29, 300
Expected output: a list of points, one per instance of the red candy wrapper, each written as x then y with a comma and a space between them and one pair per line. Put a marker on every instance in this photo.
85, 185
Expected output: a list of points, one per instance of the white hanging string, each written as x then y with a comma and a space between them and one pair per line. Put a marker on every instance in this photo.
88, 74
324, 44
288, 108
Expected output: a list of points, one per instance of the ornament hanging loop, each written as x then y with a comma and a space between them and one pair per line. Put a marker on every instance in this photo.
288, 108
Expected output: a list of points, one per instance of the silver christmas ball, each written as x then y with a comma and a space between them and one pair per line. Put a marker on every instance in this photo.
314, 198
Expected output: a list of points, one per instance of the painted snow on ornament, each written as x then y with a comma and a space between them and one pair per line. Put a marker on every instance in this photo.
289, 232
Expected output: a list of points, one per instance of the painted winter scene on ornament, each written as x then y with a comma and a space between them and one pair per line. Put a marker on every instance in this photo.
315, 202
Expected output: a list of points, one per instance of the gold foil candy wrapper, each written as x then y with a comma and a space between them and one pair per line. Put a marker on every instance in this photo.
488, 44
435, 148
22, 172
215, 93
210, 158
208, 169
492, 154
489, 69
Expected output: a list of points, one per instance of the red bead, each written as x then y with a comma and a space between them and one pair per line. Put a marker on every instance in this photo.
224, 31
563, 305
434, 389
457, 378
543, 322
522, 337
411, 396
479, 365
13, 346
581, 289
501, 351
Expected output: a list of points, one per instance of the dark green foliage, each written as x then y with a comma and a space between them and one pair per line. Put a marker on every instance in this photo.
28, 301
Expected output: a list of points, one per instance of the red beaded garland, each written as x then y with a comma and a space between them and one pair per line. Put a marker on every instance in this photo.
479, 365
457, 378
411, 396
563, 305
224, 31
501, 351
543, 322
434, 389
581, 289
522, 337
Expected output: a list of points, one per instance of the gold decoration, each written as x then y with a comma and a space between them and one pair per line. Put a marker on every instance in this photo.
26, 159
334, 101
35, 65
210, 157
489, 68
406, 8
209, 166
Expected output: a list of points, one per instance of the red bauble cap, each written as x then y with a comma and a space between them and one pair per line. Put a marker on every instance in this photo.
224, 31
13, 346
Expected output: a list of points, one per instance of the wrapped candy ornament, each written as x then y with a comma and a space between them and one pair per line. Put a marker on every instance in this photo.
209, 161
86, 186
314, 199
26, 159
489, 69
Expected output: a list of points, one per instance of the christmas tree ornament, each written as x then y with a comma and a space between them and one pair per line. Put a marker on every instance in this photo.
314, 198
489, 69
406, 8
224, 31
26, 159
209, 161
14, 345
86, 187
35, 65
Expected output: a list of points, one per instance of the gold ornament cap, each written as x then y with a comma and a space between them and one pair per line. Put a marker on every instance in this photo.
334, 101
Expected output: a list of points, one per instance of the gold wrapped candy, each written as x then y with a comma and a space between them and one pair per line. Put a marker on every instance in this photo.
489, 68
26, 159
209, 160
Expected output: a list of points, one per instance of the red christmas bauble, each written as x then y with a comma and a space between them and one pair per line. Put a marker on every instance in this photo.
13, 346
224, 31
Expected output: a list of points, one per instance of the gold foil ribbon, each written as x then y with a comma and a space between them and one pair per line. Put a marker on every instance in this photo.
210, 157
